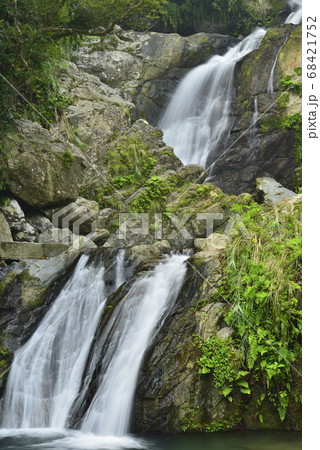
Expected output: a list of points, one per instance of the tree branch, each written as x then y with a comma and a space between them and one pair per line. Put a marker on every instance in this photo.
19, 35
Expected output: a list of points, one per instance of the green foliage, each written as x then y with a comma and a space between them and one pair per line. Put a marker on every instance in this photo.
192, 422
68, 159
5, 356
130, 160
263, 281
88, 14
218, 358
203, 190
184, 16
3, 159
153, 196
35, 36
289, 84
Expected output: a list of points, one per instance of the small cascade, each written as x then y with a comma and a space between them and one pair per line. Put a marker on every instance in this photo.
270, 87
254, 123
296, 16
46, 372
120, 272
197, 118
129, 332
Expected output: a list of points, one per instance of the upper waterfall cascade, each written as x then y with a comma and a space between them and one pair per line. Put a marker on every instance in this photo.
196, 122
197, 118
296, 16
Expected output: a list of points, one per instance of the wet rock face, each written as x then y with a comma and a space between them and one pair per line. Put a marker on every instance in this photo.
266, 149
170, 388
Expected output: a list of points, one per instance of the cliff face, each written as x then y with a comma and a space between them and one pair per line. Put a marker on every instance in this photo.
103, 158
268, 91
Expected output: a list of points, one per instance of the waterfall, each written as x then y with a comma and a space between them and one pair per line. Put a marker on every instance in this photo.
296, 16
197, 118
270, 88
46, 372
130, 331
254, 123
46, 375
120, 274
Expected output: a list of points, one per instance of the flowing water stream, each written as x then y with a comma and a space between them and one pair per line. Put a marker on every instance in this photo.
129, 332
196, 122
198, 115
47, 371
296, 16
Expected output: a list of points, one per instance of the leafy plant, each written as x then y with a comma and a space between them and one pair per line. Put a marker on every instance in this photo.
263, 279
153, 197
68, 159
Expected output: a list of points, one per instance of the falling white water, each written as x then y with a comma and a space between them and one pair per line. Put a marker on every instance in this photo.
296, 16
254, 124
270, 88
130, 331
197, 118
120, 273
47, 370
255, 115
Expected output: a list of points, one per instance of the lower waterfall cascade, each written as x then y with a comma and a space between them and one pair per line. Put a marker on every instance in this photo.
46, 372
133, 325
59, 347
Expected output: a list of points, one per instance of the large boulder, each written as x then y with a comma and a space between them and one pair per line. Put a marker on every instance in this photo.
43, 169
270, 191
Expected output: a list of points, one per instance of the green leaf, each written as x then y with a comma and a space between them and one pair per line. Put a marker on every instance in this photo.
243, 383
226, 391
245, 391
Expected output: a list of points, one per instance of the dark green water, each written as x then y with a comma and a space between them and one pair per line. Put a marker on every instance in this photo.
47, 439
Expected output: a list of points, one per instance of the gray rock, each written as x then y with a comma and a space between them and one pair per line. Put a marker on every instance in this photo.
5, 233
267, 150
53, 235
12, 211
225, 333
192, 172
21, 230
39, 222
27, 233
27, 250
272, 192
146, 67
103, 217
80, 216
45, 169
99, 237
